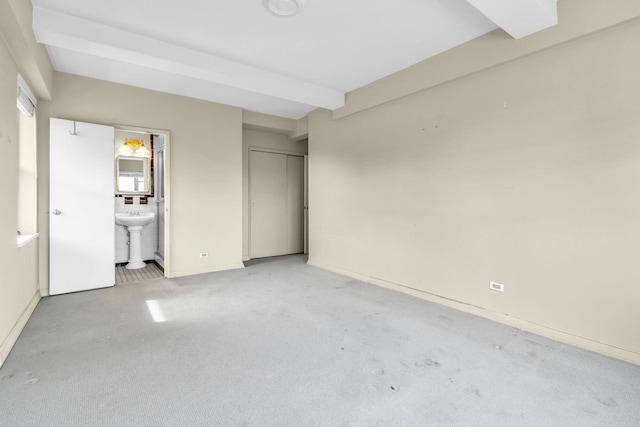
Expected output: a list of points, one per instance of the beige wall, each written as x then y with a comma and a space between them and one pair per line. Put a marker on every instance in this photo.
527, 174
19, 278
31, 57
205, 167
265, 140
576, 18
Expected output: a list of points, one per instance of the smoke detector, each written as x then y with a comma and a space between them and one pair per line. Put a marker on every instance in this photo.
284, 7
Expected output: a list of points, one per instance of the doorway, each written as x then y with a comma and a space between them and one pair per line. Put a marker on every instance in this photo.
276, 203
81, 157
152, 240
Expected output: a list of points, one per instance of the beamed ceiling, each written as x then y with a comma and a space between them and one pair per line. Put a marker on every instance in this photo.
237, 53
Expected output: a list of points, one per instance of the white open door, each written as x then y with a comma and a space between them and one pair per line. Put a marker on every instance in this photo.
81, 207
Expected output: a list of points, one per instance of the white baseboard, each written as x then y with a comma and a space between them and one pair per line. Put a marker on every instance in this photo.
565, 337
11, 339
180, 273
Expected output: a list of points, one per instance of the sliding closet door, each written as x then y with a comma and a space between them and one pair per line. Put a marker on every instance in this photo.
295, 204
268, 196
276, 194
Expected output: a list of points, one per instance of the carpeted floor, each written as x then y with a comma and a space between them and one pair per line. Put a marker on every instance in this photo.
280, 343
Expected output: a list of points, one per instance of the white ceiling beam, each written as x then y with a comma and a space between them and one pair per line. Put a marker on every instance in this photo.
76, 34
519, 18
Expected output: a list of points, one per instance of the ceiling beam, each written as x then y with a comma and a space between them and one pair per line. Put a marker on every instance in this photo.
76, 34
519, 18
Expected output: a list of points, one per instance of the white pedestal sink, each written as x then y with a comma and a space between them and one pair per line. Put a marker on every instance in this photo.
134, 221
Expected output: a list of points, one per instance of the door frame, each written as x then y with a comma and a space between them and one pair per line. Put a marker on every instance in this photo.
306, 204
274, 151
167, 187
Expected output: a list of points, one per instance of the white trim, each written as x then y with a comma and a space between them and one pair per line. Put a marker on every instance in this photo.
11, 339
504, 318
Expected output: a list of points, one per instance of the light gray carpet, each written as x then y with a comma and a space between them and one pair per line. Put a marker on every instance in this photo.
280, 343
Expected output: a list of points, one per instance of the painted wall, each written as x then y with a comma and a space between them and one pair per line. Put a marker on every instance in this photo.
19, 279
526, 173
31, 57
205, 152
260, 139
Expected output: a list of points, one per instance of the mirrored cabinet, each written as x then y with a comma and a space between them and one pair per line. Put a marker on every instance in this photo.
132, 175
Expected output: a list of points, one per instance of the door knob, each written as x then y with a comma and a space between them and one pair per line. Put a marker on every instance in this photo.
56, 212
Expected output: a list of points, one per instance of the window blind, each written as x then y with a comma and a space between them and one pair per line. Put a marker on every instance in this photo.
26, 101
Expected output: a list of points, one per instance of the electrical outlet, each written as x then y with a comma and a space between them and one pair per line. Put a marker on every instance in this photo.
496, 286
204, 254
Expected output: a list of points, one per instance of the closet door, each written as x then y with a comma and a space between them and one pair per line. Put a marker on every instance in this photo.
295, 204
268, 198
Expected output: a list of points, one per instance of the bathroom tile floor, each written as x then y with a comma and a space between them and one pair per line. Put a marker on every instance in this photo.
150, 272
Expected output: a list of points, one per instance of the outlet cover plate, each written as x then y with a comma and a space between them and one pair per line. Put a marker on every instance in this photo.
494, 286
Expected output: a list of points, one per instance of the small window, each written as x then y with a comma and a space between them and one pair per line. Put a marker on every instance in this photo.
27, 203
26, 101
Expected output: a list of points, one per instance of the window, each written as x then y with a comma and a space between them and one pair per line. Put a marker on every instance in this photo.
27, 203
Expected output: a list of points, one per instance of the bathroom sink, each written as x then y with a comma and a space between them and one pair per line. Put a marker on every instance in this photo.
134, 222
138, 219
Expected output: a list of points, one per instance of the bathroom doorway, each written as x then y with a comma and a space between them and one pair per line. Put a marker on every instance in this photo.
85, 260
150, 196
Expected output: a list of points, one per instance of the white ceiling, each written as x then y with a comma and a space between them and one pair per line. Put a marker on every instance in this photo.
235, 52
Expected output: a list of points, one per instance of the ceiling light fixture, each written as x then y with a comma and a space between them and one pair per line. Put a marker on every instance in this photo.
284, 7
134, 147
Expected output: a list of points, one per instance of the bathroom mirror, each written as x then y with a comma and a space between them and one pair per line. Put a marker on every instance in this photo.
132, 175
